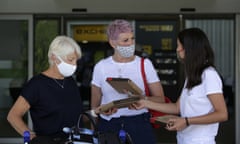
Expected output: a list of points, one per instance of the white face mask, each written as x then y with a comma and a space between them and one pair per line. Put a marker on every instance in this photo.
66, 69
126, 51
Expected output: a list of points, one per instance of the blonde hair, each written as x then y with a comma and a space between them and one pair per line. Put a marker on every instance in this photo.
62, 46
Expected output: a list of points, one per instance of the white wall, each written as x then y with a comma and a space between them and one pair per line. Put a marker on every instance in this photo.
119, 6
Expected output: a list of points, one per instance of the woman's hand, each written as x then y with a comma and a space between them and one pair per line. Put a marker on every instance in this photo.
176, 124
138, 105
107, 112
32, 135
110, 111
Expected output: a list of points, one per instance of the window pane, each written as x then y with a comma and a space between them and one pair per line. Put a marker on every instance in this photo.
45, 31
13, 68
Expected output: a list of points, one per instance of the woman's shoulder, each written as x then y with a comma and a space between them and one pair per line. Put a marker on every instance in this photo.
104, 62
210, 72
147, 61
38, 78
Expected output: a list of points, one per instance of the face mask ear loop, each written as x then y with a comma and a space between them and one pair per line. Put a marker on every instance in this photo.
57, 57
60, 58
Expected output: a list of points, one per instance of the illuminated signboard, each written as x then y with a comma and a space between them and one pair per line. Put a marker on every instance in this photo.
156, 35
90, 33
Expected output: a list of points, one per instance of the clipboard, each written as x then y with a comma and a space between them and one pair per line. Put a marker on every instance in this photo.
121, 84
162, 119
119, 103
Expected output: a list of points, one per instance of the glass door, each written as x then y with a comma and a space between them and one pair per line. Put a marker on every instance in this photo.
15, 67
92, 38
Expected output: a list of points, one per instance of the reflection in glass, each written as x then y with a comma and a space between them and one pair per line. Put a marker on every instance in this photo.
13, 68
45, 32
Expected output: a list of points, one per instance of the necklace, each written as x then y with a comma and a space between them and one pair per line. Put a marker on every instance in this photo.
61, 85
120, 72
121, 67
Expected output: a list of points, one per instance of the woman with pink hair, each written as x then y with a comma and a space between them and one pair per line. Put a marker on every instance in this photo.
124, 64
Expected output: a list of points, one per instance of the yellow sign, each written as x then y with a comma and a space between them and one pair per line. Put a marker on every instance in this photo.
166, 43
90, 33
156, 28
147, 49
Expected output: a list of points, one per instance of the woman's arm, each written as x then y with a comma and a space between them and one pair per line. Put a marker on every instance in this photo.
96, 96
170, 108
156, 91
151, 78
219, 114
15, 116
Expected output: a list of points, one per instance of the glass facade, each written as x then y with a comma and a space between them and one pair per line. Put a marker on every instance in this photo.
13, 68
24, 50
45, 31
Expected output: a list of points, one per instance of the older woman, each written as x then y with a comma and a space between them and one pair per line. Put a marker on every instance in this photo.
52, 96
123, 63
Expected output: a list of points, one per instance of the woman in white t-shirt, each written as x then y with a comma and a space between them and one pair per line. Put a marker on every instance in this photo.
124, 64
201, 105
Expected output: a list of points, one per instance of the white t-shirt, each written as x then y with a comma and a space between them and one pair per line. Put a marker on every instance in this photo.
195, 102
132, 70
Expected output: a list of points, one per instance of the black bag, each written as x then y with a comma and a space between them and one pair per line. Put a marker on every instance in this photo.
79, 135
47, 140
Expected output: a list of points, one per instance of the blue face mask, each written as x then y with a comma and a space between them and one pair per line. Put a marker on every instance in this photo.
126, 51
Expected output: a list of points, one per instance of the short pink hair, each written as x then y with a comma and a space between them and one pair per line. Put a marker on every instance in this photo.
118, 26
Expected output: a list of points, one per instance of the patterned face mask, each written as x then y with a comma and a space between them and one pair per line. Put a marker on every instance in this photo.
126, 51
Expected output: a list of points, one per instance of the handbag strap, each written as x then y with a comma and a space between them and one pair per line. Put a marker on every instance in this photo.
144, 77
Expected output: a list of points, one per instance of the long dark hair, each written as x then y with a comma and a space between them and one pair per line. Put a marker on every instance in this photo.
198, 54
